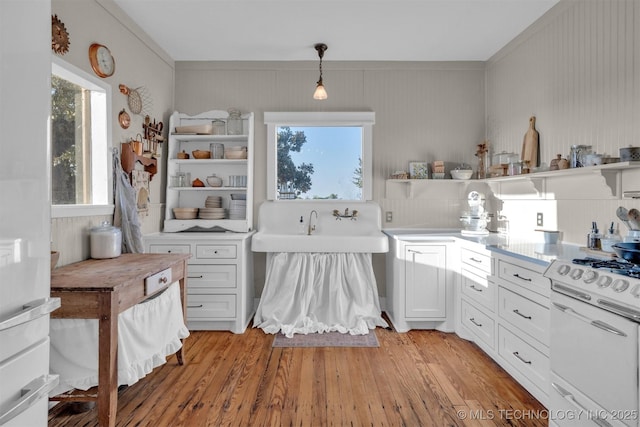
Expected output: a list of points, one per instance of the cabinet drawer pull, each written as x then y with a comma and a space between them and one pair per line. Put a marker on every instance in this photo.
476, 289
516, 275
516, 311
195, 277
475, 260
516, 354
473, 320
195, 306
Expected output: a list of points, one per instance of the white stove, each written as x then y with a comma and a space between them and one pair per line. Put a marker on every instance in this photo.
609, 284
594, 345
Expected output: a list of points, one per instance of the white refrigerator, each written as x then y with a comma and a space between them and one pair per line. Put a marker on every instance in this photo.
25, 223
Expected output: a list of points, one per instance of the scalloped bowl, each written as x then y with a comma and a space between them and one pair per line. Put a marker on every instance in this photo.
461, 174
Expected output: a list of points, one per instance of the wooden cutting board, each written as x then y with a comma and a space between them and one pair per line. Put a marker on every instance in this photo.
530, 146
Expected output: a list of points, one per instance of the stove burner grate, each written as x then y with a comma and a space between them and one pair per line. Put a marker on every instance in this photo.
615, 266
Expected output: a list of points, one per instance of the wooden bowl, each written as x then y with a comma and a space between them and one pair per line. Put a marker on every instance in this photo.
201, 154
183, 155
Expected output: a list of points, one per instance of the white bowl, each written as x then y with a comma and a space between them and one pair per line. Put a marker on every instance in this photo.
461, 174
214, 181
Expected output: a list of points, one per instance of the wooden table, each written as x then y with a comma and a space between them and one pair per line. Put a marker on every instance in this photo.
101, 289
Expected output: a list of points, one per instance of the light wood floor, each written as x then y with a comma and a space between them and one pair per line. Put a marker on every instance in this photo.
420, 378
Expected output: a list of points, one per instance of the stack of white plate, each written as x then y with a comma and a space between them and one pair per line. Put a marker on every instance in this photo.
238, 209
235, 152
211, 213
213, 202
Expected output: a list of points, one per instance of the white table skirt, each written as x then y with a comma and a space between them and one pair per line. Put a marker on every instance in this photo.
147, 333
319, 292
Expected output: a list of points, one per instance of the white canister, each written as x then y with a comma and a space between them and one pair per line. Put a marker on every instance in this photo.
106, 241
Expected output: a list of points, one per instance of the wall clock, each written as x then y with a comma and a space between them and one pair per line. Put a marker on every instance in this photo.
59, 36
101, 60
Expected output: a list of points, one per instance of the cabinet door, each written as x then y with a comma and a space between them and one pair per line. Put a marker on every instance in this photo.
425, 281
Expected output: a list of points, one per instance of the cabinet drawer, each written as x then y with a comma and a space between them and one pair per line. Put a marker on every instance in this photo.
202, 307
478, 289
478, 260
203, 277
531, 317
216, 252
524, 277
478, 323
522, 356
169, 249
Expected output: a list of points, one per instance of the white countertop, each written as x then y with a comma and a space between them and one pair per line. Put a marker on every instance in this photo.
525, 249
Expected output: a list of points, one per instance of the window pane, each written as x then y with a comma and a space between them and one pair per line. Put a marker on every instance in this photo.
70, 142
319, 162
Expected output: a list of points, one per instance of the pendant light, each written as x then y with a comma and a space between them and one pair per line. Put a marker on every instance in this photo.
320, 92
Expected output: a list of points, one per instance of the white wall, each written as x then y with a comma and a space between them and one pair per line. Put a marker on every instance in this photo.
139, 63
577, 69
424, 111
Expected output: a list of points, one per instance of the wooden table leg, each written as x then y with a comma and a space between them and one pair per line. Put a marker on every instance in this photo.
107, 359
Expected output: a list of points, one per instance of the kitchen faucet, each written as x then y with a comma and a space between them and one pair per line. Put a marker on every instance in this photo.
312, 228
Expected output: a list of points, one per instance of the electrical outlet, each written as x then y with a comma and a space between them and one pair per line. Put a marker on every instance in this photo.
388, 216
540, 219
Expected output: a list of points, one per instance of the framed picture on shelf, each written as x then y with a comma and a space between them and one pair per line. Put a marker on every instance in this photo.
418, 170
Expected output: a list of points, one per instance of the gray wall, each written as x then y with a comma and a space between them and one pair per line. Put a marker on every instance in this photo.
424, 111
139, 63
577, 69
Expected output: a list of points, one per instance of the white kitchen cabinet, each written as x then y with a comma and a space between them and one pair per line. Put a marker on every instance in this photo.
425, 281
524, 323
419, 285
477, 296
225, 168
220, 290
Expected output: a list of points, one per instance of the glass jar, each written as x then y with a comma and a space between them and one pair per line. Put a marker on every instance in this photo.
219, 127
515, 168
234, 122
577, 158
106, 241
217, 150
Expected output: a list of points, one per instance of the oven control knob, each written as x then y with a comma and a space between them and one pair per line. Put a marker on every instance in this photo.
604, 281
576, 274
620, 285
564, 269
636, 291
590, 276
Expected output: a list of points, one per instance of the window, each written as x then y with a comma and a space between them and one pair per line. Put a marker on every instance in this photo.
80, 135
319, 155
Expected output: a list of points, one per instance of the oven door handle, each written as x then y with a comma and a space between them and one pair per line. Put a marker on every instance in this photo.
597, 323
571, 399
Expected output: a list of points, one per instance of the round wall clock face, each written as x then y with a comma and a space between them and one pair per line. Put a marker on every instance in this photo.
59, 36
101, 60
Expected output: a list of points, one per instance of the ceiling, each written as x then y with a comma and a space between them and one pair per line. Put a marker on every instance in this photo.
354, 30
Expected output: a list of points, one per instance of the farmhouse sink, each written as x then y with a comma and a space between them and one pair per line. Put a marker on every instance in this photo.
279, 228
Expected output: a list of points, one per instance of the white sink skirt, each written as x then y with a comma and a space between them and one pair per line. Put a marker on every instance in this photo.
319, 292
147, 333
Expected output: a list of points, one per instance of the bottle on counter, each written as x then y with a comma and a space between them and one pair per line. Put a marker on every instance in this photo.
594, 238
610, 238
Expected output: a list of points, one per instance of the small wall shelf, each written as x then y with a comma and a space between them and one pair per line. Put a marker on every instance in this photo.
413, 183
128, 159
611, 172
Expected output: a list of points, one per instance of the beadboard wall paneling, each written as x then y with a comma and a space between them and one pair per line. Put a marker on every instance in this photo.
139, 63
577, 69
424, 112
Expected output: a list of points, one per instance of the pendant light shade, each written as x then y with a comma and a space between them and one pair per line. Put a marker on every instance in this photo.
320, 92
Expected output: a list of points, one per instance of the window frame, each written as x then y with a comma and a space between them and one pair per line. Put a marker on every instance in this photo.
364, 119
74, 74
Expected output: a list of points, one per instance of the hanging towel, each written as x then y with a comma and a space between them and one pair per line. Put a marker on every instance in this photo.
126, 210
